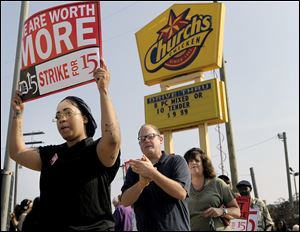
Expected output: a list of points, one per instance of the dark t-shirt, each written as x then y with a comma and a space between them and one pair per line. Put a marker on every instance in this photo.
155, 210
75, 188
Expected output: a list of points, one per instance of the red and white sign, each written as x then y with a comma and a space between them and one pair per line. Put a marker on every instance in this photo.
244, 204
242, 223
250, 224
253, 220
248, 220
61, 47
238, 224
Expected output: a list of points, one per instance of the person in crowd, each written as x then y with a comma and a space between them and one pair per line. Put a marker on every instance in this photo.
14, 218
225, 179
19, 215
157, 186
210, 198
265, 222
123, 216
280, 225
295, 227
32, 220
76, 175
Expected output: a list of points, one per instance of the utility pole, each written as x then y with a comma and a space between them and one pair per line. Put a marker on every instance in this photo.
229, 134
6, 173
16, 184
253, 182
17, 165
283, 138
294, 175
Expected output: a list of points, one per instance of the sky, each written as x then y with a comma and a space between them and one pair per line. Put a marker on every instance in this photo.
261, 50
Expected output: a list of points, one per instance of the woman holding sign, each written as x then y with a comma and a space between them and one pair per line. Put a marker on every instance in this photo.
76, 175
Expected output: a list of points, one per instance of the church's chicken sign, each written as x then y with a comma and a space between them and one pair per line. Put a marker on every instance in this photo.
185, 38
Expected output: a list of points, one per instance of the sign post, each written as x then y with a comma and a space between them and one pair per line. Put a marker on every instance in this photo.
7, 173
177, 47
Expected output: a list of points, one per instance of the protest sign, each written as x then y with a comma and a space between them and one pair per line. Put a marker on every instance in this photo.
241, 224
244, 204
61, 47
253, 220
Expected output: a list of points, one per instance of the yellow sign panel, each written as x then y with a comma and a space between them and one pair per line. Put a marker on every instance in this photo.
187, 106
184, 39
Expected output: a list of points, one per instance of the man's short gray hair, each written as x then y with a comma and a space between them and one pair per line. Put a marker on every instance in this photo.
149, 125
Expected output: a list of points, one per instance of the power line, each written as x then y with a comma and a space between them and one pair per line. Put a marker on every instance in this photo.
119, 35
119, 11
256, 144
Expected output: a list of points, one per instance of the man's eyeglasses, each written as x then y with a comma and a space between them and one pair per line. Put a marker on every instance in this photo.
150, 137
66, 113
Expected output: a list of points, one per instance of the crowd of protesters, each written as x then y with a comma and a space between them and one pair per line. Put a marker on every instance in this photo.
164, 192
161, 191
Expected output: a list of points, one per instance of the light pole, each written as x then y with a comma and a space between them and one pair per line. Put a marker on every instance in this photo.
18, 166
283, 138
292, 172
16, 183
6, 172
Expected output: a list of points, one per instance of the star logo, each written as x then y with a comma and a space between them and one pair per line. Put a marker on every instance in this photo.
175, 23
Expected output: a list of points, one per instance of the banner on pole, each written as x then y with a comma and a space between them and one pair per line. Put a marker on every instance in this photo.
61, 47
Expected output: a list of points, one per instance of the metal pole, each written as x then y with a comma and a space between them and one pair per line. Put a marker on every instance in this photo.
230, 142
254, 183
287, 169
6, 179
16, 184
18, 166
229, 134
283, 137
295, 186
